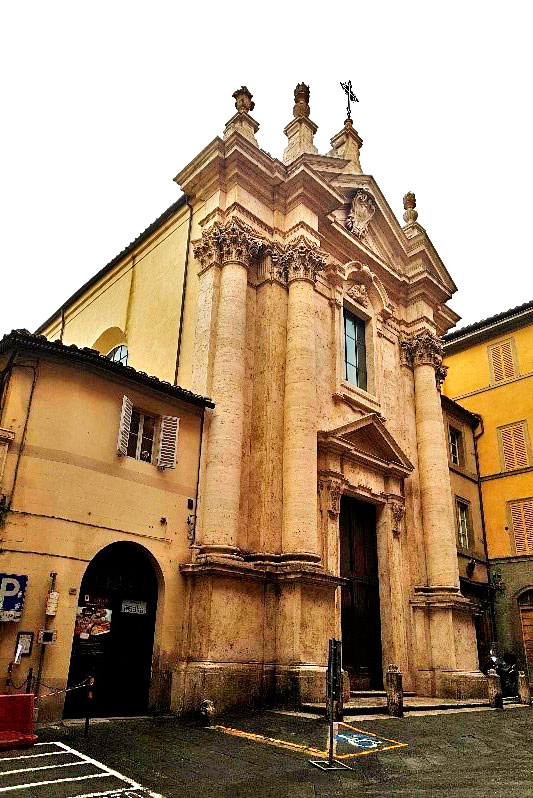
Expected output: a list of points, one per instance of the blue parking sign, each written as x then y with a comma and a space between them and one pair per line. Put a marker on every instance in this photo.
12, 592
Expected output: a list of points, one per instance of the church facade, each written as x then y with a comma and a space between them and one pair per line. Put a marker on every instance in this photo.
288, 293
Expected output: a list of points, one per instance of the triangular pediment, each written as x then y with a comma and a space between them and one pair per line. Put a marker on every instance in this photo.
368, 439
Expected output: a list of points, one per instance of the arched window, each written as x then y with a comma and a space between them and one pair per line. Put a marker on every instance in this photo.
119, 354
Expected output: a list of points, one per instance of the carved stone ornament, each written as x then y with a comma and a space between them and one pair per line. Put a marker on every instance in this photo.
359, 294
397, 509
332, 494
422, 349
362, 210
299, 260
231, 242
243, 100
440, 376
301, 100
409, 203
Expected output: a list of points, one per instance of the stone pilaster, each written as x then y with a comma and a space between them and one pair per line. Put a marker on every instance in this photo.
299, 264
230, 248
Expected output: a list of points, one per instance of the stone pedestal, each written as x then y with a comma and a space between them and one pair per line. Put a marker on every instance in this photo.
394, 688
524, 691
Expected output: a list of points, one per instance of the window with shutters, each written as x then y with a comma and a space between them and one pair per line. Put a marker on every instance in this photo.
522, 522
463, 524
455, 438
502, 361
354, 350
138, 432
514, 446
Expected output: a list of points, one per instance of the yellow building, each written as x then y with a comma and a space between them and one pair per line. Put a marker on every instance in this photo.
98, 485
287, 291
491, 374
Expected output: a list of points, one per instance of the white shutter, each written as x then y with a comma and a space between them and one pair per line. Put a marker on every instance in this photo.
168, 442
124, 426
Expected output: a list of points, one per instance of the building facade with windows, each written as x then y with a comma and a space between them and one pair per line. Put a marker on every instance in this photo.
491, 374
462, 429
98, 486
287, 291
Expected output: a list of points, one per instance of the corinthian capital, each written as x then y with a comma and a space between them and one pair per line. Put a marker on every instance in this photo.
233, 242
300, 260
422, 349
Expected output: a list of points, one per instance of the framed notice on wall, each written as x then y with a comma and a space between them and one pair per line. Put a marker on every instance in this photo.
24, 644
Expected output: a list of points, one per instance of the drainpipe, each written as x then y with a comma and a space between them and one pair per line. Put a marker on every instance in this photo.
185, 270
480, 494
193, 531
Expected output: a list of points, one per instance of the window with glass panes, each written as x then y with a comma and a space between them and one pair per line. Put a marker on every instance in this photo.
455, 446
462, 524
141, 436
354, 350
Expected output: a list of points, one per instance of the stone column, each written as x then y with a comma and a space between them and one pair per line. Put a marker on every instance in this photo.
424, 354
231, 247
300, 263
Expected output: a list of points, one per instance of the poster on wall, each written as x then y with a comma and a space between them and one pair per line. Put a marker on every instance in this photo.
93, 625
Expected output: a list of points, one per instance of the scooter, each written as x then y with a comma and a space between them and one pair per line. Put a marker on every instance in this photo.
505, 667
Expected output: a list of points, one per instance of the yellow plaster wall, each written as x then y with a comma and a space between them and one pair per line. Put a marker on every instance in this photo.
73, 496
498, 405
142, 293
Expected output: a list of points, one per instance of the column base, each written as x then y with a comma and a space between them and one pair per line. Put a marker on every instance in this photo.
230, 685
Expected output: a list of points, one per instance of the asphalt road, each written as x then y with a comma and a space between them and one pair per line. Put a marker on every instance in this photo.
486, 754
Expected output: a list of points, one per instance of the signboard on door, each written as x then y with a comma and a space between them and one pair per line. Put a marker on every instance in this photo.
134, 607
12, 592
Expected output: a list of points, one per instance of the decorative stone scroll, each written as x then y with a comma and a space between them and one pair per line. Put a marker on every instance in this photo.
424, 349
359, 294
299, 260
333, 491
228, 243
362, 210
397, 509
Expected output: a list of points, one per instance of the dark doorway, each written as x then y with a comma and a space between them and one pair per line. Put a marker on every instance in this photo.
360, 616
114, 633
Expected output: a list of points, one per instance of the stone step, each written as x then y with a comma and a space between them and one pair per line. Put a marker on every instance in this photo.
378, 705
374, 693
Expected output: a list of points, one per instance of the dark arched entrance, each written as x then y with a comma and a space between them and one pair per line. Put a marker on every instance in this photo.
114, 633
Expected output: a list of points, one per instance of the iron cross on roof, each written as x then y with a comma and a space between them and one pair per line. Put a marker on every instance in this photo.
347, 88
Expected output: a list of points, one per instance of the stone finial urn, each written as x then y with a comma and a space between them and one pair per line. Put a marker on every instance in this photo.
243, 100
301, 101
409, 204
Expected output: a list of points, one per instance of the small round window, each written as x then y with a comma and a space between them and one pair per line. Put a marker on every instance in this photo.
119, 354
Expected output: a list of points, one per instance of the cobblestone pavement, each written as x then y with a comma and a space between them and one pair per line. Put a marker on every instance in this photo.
483, 754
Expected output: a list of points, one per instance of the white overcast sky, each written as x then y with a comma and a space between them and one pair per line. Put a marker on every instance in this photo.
103, 103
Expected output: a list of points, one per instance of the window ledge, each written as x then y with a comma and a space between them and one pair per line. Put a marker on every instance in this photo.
356, 397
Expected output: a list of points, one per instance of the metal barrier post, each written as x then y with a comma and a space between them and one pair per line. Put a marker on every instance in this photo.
29, 680
333, 703
90, 685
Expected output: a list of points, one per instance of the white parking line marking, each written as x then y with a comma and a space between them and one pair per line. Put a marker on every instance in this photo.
43, 767
97, 764
131, 787
33, 756
54, 781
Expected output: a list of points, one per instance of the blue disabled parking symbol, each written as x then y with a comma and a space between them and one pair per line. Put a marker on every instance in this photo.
350, 741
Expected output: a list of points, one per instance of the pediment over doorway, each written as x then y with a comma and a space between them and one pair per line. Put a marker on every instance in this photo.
367, 440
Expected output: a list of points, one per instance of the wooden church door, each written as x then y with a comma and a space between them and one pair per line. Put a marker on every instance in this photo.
360, 614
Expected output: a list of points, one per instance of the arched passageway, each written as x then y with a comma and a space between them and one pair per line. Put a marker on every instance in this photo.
114, 633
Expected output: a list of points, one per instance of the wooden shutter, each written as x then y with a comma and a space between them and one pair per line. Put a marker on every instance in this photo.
168, 442
124, 426
502, 360
522, 516
514, 448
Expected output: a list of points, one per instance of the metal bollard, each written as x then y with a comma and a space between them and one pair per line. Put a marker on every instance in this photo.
29, 680
394, 688
90, 685
495, 689
524, 691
